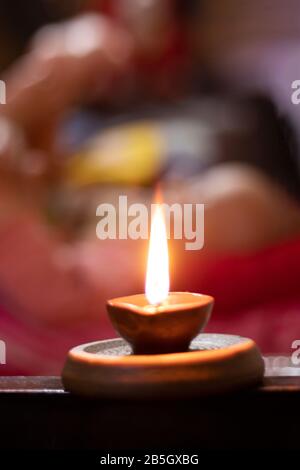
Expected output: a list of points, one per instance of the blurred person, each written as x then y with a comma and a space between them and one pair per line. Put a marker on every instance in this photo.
47, 284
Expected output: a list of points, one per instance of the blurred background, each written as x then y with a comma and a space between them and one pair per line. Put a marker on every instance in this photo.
110, 97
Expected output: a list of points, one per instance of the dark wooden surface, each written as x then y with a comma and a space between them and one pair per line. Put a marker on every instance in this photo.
37, 413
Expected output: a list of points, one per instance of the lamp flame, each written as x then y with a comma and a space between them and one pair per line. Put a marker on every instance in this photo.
157, 277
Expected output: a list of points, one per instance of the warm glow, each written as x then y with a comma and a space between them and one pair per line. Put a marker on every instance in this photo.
157, 277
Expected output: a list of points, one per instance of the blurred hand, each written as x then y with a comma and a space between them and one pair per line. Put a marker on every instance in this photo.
66, 64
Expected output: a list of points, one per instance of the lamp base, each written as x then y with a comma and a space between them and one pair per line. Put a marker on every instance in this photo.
214, 364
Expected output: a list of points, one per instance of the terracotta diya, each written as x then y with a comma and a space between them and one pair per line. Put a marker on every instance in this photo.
162, 354
167, 328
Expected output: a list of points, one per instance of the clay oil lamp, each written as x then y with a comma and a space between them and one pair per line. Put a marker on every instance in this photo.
162, 355
158, 321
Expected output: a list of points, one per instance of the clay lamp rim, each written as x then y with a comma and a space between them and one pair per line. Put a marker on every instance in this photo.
173, 303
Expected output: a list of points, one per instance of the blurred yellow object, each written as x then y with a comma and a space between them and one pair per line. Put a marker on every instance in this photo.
128, 154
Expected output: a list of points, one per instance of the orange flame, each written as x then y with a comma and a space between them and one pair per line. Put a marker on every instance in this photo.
157, 277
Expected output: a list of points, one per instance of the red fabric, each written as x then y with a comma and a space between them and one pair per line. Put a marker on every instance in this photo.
41, 350
257, 296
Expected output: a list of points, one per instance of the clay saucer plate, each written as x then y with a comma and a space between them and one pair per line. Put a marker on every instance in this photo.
213, 364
